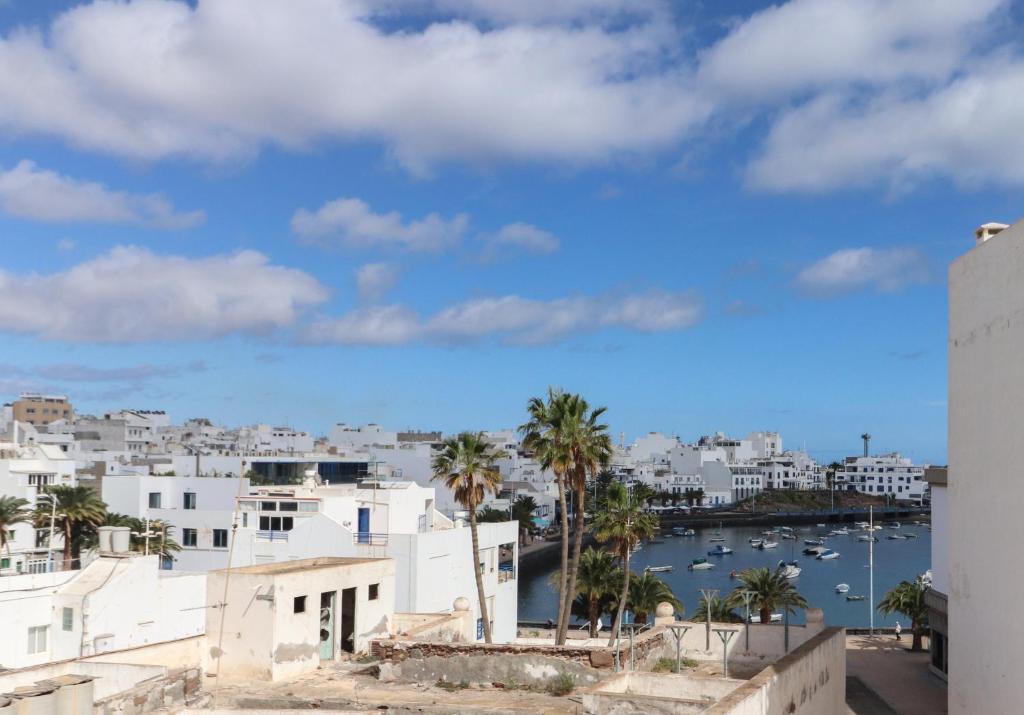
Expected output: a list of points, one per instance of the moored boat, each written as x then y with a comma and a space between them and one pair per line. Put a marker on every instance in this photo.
867, 538
828, 555
842, 587
814, 542
855, 598
700, 564
659, 569
768, 545
814, 550
720, 550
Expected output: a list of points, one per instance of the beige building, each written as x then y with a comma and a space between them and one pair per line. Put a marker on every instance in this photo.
278, 620
38, 409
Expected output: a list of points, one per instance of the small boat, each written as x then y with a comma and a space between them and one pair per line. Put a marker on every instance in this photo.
828, 555
678, 530
822, 526
895, 537
814, 542
867, 538
785, 528
789, 536
855, 598
839, 532
668, 536
775, 618
717, 538
659, 569
768, 545
894, 525
767, 532
754, 540
700, 565
756, 543
789, 570
689, 532
720, 551
842, 587
814, 550
909, 535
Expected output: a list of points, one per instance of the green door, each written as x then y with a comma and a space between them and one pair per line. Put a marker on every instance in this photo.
327, 621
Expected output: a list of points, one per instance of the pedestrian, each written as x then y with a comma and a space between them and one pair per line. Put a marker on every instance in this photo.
899, 630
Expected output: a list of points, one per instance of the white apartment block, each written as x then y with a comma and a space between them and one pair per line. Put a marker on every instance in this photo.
883, 475
24, 471
791, 470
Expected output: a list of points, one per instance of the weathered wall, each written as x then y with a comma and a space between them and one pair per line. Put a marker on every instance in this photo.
986, 410
667, 694
509, 670
809, 681
172, 691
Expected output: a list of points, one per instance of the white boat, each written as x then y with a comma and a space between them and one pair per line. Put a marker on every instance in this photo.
909, 535
821, 525
700, 565
827, 555
689, 532
895, 537
839, 532
867, 538
789, 570
717, 538
659, 569
894, 525
720, 550
756, 543
814, 542
842, 588
768, 545
787, 535
815, 550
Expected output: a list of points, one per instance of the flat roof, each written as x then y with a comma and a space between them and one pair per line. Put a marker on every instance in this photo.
283, 567
936, 475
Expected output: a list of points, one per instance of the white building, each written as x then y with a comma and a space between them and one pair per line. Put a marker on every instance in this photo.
986, 410
24, 471
791, 470
883, 475
433, 555
937, 595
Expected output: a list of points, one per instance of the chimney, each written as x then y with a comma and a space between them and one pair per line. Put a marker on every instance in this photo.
987, 230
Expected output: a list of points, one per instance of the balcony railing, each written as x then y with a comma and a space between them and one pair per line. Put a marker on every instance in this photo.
370, 539
272, 535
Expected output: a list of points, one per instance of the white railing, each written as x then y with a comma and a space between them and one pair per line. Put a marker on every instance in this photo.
272, 535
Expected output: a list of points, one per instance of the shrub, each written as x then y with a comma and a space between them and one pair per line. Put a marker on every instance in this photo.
668, 665
562, 684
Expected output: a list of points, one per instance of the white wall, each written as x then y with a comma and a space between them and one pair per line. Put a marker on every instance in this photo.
986, 411
940, 539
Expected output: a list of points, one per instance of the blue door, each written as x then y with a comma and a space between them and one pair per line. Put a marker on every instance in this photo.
364, 525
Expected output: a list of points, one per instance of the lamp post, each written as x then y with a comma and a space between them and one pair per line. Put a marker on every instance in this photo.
679, 631
726, 635
748, 596
708, 594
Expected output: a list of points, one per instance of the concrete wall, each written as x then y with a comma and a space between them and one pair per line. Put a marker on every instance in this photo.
986, 411
767, 642
664, 694
809, 681
940, 538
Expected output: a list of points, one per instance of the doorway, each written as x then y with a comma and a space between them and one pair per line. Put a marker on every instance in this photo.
327, 621
364, 525
348, 620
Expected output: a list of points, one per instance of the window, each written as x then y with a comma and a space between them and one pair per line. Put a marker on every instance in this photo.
268, 506
154, 500
189, 499
5, 563
67, 617
188, 537
374, 591
299, 604
220, 538
37, 639
289, 506
307, 506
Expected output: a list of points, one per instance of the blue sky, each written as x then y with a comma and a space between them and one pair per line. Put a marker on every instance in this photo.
423, 212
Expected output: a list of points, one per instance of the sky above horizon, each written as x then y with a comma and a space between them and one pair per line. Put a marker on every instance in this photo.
704, 216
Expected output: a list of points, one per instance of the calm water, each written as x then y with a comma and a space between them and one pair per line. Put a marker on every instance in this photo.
895, 561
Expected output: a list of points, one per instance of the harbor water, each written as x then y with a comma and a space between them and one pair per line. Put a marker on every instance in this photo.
895, 561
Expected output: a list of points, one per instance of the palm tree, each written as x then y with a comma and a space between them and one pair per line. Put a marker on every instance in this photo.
565, 435
830, 480
623, 524
720, 611
13, 510
771, 590
646, 591
908, 598
522, 511
693, 496
597, 579
490, 515
77, 513
466, 466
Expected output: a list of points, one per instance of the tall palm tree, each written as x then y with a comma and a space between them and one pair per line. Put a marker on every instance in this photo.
830, 480
646, 591
623, 524
596, 584
466, 466
908, 598
522, 511
78, 512
771, 590
568, 437
13, 510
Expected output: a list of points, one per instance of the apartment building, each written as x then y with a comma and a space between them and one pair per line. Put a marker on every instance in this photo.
37, 409
889, 475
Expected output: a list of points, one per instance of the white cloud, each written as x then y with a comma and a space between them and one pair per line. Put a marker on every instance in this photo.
536, 11
223, 78
374, 280
352, 222
852, 269
511, 319
519, 237
27, 191
810, 45
133, 295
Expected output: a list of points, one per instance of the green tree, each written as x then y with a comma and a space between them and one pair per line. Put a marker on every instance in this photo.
522, 511
694, 497
466, 466
13, 510
77, 511
771, 590
622, 525
646, 591
908, 598
597, 582
721, 611
490, 515
567, 437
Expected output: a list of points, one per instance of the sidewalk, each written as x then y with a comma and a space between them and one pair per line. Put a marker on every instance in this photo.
898, 677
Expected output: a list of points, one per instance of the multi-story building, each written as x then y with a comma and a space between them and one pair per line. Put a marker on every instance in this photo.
889, 475
25, 470
985, 490
791, 470
36, 409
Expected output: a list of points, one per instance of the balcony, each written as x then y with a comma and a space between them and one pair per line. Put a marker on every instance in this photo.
370, 545
272, 536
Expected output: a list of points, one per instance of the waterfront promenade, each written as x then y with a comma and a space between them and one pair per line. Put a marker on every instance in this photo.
899, 678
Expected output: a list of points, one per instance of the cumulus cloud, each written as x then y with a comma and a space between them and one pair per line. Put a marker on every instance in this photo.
519, 237
511, 319
374, 280
133, 295
352, 222
536, 11
852, 269
222, 78
28, 191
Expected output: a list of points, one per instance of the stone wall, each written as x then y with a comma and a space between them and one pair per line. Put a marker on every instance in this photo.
175, 689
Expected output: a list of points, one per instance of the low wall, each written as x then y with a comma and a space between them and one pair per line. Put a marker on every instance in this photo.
507, 670
665, 694
173, 690
458, 627
809, 681
767, 642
